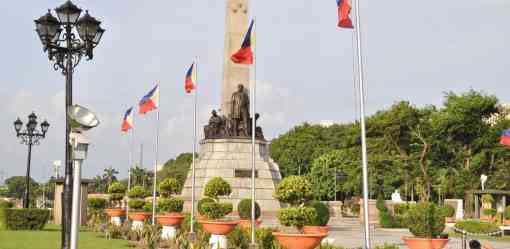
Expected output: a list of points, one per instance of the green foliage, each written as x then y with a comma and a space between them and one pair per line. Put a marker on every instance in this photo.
24, 219
507, 212
387, 246
177, 168
201, 203
386, 219
170, 205
381, 204
96, 203
169, 187
241, 238
136, 204
244, 209
6, 204
489, 212
477, 226
216, 210
117, 188
401, 208
16, 187
329, 246
151, 235
448, 211
425, 220
295, 190
296, 216
147, 207
487, 198
217, 187
322, 213
355, 208
138, 192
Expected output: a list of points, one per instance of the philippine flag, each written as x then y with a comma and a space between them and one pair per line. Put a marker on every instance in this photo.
245, 54
505, 137
150, 101
191, 78
344, 9
127, 121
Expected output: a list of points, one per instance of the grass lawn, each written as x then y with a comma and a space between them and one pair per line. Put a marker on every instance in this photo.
49, 238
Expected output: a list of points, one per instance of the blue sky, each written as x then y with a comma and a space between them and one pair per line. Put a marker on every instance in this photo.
414, 50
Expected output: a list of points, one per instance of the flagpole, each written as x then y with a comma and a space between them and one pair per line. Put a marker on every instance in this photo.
195, 107
130, 144
253, 128
362, 123
155, 167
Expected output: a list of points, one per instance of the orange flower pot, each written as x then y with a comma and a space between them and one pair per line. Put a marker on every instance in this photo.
450, 220
246, 224
172, 219
424, 243
298, 240
115, 212
218, 227
316, 229
139, 216
507, 222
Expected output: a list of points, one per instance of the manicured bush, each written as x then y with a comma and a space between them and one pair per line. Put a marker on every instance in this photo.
294, 190
216, 210
487, 198
117, 191
96, 203
24, 219
381, 204
217, 187
6, 204
425, 220
138, 192
489, 212
240, 238
170, 205
401, 208
201, 203
244, 209
386, 219
448, 211
507, 212
477, 226
147, 207
322, 211
169, 187
296, 216
136, 204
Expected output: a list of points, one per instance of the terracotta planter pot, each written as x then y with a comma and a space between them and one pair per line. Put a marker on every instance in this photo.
218, 227
246, 224
507, 222
172, 219
423, 243
450, 220
115, 212
316, 229
299, 241
139, 216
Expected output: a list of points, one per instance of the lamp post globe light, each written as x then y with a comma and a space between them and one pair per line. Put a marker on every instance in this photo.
30, 136
67, 38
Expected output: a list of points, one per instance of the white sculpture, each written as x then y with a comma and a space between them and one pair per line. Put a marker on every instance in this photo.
483, 179
395, 197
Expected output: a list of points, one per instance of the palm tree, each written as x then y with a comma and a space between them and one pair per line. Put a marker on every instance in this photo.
137, 175
109, 175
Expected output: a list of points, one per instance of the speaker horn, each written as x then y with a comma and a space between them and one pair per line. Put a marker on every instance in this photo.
82, 119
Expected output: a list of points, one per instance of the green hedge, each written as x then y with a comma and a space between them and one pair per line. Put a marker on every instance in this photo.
23, 219
477, 226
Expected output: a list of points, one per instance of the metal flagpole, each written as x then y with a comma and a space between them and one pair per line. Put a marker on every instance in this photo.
130, 143
195, 107
155, 166
253, 127
362, 123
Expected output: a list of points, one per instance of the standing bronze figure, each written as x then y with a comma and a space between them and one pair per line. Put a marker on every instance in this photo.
240, 113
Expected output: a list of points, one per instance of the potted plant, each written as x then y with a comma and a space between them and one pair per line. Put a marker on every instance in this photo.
138, 206
449, 213
244, 211
487, 201
169, 208
296, 191
319, 224
426, 222
117, 191
489, 214
200, 205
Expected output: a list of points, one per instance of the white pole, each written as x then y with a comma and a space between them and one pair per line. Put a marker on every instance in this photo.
155, 170
362, 123
195, 107
130, 144
253, 128
75, 213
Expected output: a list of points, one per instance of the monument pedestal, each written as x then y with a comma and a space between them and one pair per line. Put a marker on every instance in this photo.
231, 159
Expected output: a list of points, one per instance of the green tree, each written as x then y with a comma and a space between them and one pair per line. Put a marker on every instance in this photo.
177, 168
16, 187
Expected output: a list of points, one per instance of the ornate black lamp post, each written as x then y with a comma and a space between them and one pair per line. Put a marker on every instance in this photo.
30, 136
67, 39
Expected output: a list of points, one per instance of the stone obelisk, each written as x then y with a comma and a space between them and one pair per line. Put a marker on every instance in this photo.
236, 24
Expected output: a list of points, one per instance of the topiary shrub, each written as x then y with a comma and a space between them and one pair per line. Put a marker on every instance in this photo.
322, 214
96, 203
294, 190
386, 220
425, 220
201, 203
217, 187
487, 198
216, 210
136, 204
296, 216
170, 205
507, 212
448, 211
137, 201
244, 209
138, 192
489, 212
147, 207
477, 226
401, 208
24, 219
117, 191
169, 187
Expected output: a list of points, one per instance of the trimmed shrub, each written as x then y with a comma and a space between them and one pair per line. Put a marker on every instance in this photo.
136, 204
294, 190
448, 211
170, 205
296, 216
386, 219
425, 220
138, 192
96, 203
147, 207
401, 208
244, 209
322, 211
117, 191
380, 204
169, 187
477, 226
489, 212
201, 203
216, 187
24, 219
507, 212
487, 198
216, 210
